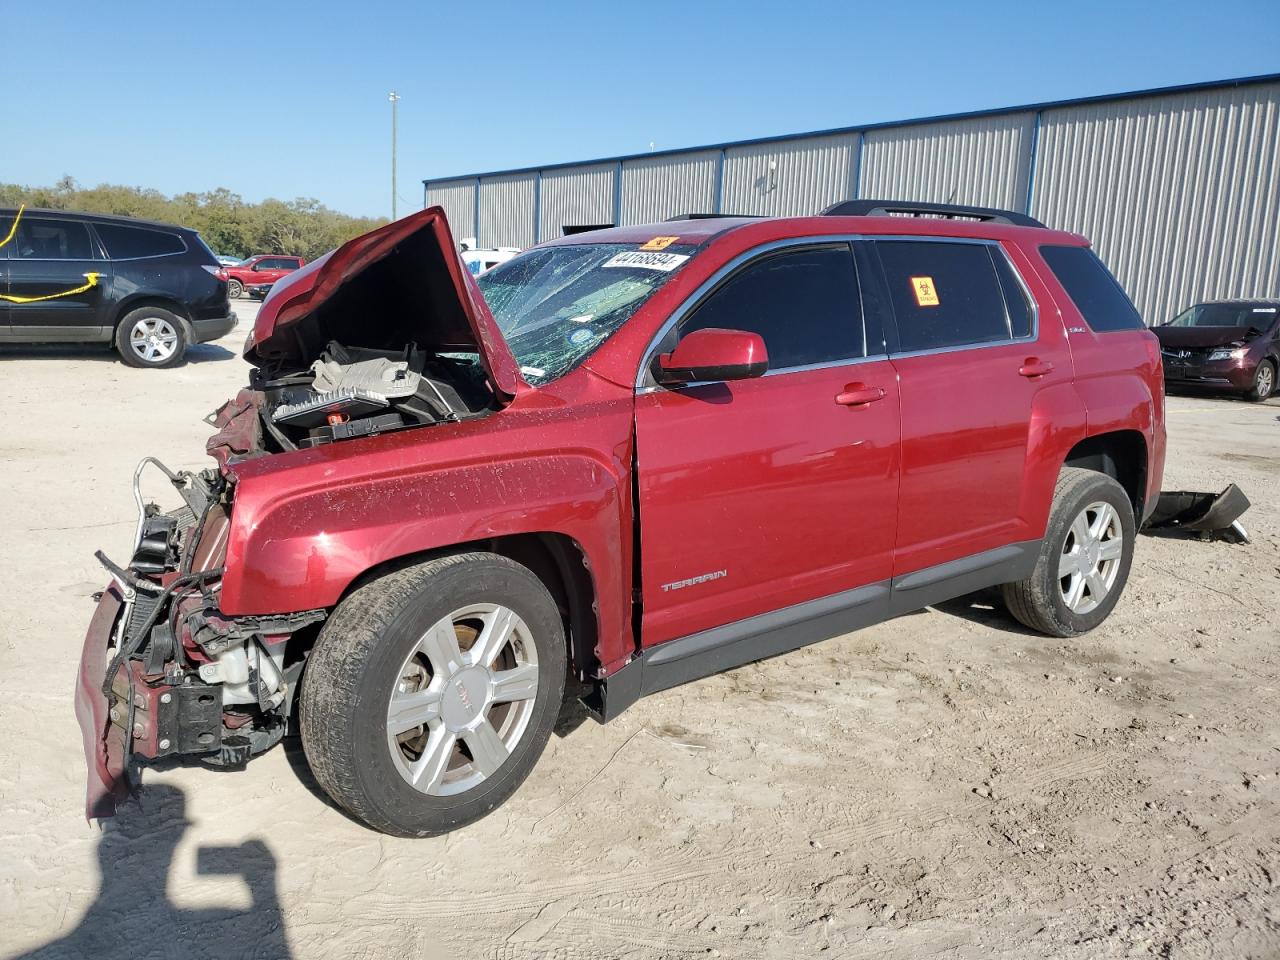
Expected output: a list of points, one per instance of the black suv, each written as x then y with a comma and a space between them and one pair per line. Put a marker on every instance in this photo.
150, 288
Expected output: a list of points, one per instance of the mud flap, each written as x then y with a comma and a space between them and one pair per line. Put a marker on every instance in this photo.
1204, 513
105, 755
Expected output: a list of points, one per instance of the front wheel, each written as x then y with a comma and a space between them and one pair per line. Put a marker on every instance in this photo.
431, 692
1084, 557
234, 288
1264, 382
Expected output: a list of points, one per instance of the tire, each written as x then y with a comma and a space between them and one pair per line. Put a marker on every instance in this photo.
151, 337
1264, 382
234, 288
384, 639
1044, 601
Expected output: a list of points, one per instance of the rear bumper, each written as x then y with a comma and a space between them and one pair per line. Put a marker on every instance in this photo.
104, 742
206, 330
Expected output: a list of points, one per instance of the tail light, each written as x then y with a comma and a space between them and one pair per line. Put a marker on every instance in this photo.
218, 271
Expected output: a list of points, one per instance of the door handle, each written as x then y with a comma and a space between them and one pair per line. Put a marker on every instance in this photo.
859, 395
1035, 367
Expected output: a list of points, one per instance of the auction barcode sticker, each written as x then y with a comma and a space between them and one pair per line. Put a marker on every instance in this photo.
666, 262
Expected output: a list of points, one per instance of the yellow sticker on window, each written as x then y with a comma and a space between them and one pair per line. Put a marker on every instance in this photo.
926, 293
659, 243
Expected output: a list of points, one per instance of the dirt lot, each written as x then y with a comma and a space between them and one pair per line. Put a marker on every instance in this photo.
945, 785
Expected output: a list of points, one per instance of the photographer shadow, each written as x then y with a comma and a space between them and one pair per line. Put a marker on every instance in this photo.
132, 915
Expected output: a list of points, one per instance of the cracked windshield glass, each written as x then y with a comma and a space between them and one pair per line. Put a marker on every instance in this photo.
557, 304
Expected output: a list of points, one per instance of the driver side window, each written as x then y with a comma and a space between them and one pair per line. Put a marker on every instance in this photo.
803, 302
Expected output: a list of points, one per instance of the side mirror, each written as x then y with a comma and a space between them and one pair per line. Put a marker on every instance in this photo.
712, 355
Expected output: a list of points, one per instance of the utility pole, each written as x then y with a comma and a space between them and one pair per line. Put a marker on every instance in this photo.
393, 97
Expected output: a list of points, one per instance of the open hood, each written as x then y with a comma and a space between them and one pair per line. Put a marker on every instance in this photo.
1203, 336
402, 283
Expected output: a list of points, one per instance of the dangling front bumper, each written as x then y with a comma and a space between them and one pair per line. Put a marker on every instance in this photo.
105, 746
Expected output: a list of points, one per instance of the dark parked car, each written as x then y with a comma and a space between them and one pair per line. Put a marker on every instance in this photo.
151, 289
1225, 344
630, 459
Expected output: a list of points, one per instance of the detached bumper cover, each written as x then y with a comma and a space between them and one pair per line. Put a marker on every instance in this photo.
104, 742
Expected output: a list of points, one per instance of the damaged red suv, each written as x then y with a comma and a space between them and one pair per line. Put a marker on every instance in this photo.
616, 463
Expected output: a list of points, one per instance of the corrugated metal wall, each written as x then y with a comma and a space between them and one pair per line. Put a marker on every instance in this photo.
657, 187
506, 211
458, 197
790, 178
1179, 191
1180, 194
982, 160
575, 196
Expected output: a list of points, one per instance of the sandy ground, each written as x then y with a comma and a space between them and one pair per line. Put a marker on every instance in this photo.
945, 785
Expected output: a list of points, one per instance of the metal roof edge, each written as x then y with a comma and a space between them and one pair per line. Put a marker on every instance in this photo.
868, 127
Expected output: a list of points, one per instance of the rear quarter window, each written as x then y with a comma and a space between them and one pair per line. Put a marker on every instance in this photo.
1099, 298
130, 243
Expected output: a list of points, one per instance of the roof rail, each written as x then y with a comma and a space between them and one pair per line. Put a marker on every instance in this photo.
711, 216
945, 211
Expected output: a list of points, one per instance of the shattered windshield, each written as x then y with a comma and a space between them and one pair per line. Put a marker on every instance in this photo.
555, 305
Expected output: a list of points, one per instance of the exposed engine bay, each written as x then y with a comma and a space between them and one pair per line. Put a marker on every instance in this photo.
356, 391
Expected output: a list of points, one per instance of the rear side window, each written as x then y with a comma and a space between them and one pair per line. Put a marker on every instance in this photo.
1089, 284
947, 294
803, 304
128, 243
38, 239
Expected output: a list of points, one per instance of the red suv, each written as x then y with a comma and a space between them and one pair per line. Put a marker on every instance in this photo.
258, 271
628, 460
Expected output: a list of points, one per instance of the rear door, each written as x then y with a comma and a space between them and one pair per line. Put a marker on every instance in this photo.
760, 494
971, 358
52, 295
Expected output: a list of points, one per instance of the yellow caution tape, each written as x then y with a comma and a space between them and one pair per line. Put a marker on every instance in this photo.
91, 277
14, 228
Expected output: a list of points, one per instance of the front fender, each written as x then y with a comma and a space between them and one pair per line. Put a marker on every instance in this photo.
303, 531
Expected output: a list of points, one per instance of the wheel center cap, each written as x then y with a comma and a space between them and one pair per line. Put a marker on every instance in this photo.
465, 696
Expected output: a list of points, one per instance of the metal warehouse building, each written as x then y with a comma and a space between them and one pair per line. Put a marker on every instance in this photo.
1178, 188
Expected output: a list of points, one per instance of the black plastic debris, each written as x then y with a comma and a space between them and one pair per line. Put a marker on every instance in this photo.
1208, 514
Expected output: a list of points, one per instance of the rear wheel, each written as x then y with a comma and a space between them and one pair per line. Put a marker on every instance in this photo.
1264, 382
151, 337
431, 692
1084, 557
234, 288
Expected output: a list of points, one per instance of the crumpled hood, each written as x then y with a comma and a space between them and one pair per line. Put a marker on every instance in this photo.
402, 283
1203, 336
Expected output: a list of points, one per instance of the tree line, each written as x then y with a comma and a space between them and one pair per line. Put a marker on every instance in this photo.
303, 227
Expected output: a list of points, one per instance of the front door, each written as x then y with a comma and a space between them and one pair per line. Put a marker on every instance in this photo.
48, 259
760, 494
971, 360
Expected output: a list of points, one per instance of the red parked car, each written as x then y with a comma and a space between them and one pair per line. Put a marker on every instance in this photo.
260, 270
631, 459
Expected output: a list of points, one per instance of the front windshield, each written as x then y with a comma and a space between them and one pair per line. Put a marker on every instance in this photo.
1225, 315
555, 305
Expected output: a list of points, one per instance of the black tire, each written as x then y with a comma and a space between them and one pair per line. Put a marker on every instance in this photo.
353, 669
234, 288
1264, 382
162, 320
1038, 601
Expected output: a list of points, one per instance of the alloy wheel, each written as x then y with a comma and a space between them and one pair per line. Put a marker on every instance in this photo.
1090, 559
153, 339
462, 699
1266, 381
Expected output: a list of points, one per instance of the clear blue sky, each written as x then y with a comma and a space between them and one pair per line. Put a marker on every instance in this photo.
290, 99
